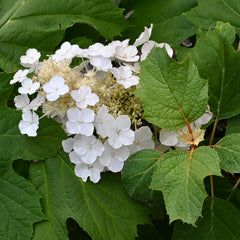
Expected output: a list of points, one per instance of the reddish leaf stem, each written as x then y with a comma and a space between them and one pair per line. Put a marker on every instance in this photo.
210, 144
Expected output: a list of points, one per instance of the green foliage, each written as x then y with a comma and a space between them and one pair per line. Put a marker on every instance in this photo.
233, 125
220, 221
172, 93
219, 62
207, 13
20, 206
47, 201
137, 173
41, 24
104, 210
228, 149
179, 175
170, 23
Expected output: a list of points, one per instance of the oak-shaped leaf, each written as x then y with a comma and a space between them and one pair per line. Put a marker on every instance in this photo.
104, 210
218, 61
179, 175
220, 221
172, 93
19, 202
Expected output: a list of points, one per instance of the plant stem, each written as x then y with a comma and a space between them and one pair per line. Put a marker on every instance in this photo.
213, 131
212, 187
210, 144
234, 188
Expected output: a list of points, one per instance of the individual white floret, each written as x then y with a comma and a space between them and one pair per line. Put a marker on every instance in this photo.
93, 171
31, 58
84, 97
21, 101
118, 131
126, 53
99, 50
68, 145
19, 76
144, 36
112, 46
113, 158
170, 138
66, 52
55, 88
36, 102
28, 86
102, 115
101, 63
125, 77
142, 140
29, 123
88, 148
204, 119
80, 121
147, 47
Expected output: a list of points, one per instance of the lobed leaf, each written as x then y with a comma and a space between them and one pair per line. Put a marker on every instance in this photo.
228, 149
104, 209
137, 173
19, 202
220, 221
179, 175
219, 62
172, 93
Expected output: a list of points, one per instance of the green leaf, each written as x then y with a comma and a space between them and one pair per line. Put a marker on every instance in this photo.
41, 24
225, 188
170, 24
137, 173
233, 125
221, 220
207, 13
228, 149
172, 93
19, 205
19, 202
104, 210
179, 175
219, 62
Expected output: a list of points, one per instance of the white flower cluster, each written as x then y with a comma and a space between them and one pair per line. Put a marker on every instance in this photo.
94, 101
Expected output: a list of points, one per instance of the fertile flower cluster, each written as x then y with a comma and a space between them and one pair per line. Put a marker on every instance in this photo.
94, 101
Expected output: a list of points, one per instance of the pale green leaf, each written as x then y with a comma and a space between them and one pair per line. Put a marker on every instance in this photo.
207, 13
219, 62
41, 24
172, 93
228, 149
170, 24
104, 210
137, 174
220, 221
179, 175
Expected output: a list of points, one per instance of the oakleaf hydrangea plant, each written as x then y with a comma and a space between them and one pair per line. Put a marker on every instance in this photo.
114, 125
